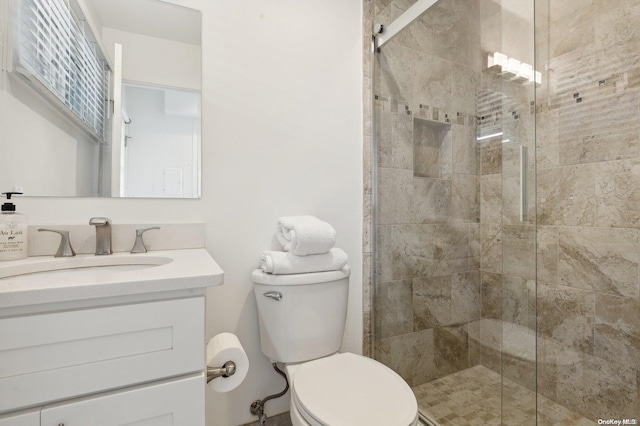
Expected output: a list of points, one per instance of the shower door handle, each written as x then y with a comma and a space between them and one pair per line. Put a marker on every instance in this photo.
524, 207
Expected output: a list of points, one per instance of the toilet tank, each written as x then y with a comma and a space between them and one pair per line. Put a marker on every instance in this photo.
307, 322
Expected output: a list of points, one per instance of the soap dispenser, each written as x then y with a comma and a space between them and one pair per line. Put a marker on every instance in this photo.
13, 231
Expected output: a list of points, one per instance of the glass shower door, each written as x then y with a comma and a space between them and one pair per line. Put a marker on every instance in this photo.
455, 277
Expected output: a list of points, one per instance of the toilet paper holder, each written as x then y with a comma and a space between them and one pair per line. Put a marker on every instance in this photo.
228, 369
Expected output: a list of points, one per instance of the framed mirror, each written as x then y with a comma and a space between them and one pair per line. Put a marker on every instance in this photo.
100, 98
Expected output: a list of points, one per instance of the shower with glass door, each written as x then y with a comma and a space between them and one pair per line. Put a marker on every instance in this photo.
506, 208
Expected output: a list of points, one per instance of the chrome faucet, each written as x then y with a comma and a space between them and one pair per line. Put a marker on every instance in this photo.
103, 234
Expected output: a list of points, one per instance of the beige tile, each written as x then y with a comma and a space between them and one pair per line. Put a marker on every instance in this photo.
491, 198
566, 315
620, 64
547, 139
367, 337
566, 196
409, 251
591, 133
394, 133
395, 190
591, 386
402, 141
617, 330
367, 283
491, 295
431, 302
616, 25
523, 372
605, 260
431, 200
464, 149
410, 355
475, 248
465, 202
393, 308
465, 82
367, 48
465, 297
367, 222
552, 414
450, 350
519, 251
569, 31
431, 149
394, 71
491, 242
479, 396
384, 136
490, 156
384, 254
515, 300
617, 194
432, 81
367, 161
547, 253
475, 351
568, 74
433, 32
367, 228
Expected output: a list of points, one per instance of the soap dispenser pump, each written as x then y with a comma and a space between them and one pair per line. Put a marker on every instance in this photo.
13, 231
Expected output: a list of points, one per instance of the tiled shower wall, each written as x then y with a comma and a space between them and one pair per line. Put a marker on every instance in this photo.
428, 208
588, 158
588, 190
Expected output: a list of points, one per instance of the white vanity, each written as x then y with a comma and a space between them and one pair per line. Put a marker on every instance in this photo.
105, 340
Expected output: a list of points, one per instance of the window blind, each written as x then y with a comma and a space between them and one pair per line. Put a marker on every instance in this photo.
56, 48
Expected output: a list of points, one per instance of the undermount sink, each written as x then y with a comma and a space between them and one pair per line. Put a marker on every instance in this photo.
81, 265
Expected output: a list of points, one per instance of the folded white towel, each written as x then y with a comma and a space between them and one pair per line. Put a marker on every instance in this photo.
284, 263
304, 235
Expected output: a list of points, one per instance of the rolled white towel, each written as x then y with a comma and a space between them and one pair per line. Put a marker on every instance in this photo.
304, 235
284, 263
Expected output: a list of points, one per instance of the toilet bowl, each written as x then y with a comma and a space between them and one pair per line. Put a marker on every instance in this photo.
302, 319
349, 389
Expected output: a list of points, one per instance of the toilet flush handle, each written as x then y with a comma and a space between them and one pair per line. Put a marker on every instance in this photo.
273, 295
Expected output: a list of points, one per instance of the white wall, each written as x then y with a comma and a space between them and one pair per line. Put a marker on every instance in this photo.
281, 135
155, 60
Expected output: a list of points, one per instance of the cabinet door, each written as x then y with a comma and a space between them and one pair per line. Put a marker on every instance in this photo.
25, 418
63, 355
170, 403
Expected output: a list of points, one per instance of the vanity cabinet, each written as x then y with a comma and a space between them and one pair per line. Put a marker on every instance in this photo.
167, 403
123, 364
29, 418
172, 403
84, 345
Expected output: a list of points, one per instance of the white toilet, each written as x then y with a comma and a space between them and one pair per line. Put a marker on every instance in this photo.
302, 319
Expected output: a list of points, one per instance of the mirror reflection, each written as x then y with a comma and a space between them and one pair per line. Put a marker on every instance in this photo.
100, 98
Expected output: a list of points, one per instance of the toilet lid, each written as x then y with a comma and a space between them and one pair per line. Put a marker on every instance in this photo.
349, 389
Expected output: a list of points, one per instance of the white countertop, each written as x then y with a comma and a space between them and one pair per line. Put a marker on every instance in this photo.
186, 269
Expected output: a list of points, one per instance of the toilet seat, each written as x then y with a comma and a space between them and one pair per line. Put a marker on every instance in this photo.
349, 389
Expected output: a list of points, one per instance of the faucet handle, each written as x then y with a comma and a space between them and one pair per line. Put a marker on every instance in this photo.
138, 246
65, 249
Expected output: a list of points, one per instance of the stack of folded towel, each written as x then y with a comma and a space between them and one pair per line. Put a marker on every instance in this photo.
308, 247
